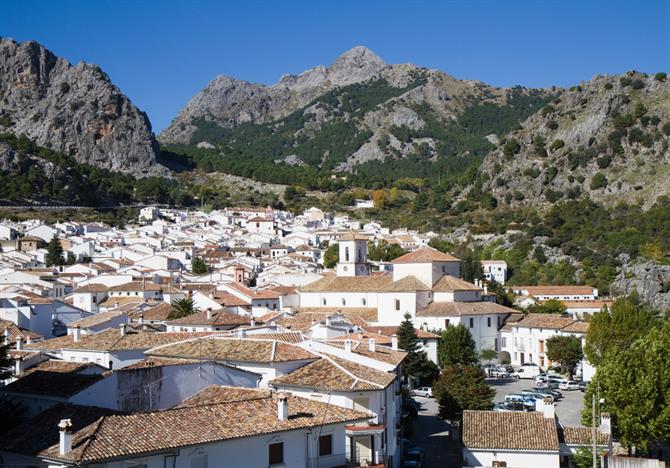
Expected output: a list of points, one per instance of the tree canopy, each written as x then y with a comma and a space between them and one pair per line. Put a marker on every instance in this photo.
456, 347
565, 349
331, 256
462, 388
54, 252
416, 365
198, 266
182, 308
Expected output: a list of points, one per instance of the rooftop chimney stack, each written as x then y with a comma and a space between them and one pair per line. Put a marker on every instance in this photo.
76, 334
372, 345
347, 346
282, 406
253, 321
65, 430
549, 411
141, 319
209, 313
328, 321
486, 289
394, 342
7, 338
29, 340
122, 329
19, 343
242, 334
605, 424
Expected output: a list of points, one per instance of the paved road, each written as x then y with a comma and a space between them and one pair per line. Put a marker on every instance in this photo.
568, 409
432, 433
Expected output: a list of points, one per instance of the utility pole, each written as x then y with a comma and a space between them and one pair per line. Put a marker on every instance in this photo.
593, 429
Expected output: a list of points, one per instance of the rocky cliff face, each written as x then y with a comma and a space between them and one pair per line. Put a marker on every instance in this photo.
73, 109
650, 280
607, 139
230, 102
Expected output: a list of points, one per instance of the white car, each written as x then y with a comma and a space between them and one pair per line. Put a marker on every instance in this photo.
569, 385
426, 392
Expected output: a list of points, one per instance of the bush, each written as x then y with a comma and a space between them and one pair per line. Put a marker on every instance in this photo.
511, 147
598, 181
666, 128
548, 109
552, 125
518, 196
609, 86
638, 84
604, 161
556, 145
625, 81
64, 87
660, 76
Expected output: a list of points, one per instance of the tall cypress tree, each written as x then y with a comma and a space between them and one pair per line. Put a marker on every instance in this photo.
54, 252
416, 365
6, 362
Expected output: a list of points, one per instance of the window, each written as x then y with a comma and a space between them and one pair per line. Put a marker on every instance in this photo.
495, 344
344, 301
276, 453
397, 304
472, 322
346, 254
504, 341
364, 302
324, 301
325, 445
488, 322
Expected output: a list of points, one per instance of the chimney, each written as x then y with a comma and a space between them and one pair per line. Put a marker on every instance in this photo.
347, 346
253, 321
19, 343
18, 368
328, 321
65, 429
76, 335
486, 289
394, 342
209, 313
242, 334
122, 329
29, 340
141, 319
7, 338
372, 345
282, 406
211, 295
549, 411
605, 424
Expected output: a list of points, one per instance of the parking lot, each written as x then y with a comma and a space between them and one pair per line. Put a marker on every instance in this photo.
568, 408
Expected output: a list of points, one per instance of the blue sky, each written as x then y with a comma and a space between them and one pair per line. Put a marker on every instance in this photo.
161, 52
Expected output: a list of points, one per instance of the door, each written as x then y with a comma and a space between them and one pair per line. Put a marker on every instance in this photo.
363, 449
522, 358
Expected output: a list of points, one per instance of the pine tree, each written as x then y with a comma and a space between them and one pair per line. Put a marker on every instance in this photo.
457, 347
198, 266
416, 366
54, 252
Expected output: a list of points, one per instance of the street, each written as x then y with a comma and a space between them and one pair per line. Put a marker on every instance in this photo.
432, 434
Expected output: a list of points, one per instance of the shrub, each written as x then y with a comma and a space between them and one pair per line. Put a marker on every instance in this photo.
604, 161
625, 81
553, 196
639, 110
609, 86
598, 181
556, 145
511, 147
64, 87
548, 109
666, 128
638, 84
552, 125
518, 196
660, 76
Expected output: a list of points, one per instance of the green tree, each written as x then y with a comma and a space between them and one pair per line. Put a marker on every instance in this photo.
471, 267
634, 382
198, 266
331, 256
182, 308
616, 328
503, 296
456, 347
565, 349
54, 252
416, 366
70, 258
488, 354
6, 362
551, 306
583, 458
462, 388
598, 181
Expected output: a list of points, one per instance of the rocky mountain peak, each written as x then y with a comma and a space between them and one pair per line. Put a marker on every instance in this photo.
75, 110
355, 65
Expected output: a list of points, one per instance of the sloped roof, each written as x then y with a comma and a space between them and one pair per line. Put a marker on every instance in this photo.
450, 283
457, 309
425, 255
509, 431
217, 318
96, 319
583, 436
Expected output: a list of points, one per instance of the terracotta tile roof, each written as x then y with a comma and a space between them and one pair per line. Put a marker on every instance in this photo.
96, 319
15, 332
352, 235
270, 316
157, 362
577, 327
381, 353
224, 394
129, 435
233, 349
217, 318
227, 299
284, 337
156, 313
583, 436
425, 255
598, 304
391, 330
349, 284
121, 301
407, 284
554, 321
52, 383
91, 288
457, 309
55, 365
308, 316
509, 431
112, 340
332, 374
450, 283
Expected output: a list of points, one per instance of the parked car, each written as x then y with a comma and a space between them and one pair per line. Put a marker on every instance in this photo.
537, 395
524, 400
414, 457
528, 371
497, 373
426, 392
411, 464
582, 386
511, 406
548, 391
569, 385
409, 446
